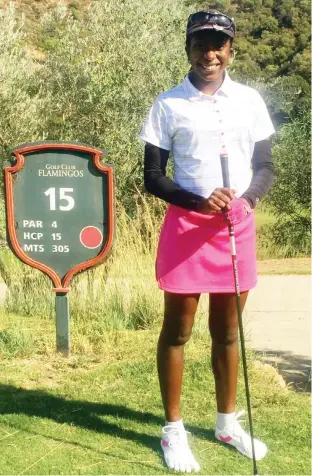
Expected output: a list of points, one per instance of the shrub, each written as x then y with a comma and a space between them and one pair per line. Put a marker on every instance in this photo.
289, 198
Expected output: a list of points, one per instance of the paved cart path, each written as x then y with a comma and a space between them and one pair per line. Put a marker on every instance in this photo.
277, 325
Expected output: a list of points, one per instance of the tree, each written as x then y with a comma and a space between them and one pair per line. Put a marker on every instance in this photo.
290, 197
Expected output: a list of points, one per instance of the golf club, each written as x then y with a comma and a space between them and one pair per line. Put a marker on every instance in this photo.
226, 183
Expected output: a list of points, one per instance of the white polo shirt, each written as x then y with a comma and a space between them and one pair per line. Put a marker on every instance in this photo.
196, 128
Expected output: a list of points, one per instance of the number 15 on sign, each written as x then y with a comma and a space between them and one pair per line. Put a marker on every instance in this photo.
63, 195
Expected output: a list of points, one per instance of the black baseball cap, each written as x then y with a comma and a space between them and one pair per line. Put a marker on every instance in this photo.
210, 20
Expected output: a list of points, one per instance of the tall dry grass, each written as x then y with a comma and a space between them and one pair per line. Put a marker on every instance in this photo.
119, 294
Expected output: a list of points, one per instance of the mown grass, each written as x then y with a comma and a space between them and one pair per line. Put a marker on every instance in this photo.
102, 414
285, 266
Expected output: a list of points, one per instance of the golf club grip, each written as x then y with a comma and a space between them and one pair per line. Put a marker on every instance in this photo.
225, 170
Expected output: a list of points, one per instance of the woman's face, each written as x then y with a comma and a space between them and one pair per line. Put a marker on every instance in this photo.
209, 53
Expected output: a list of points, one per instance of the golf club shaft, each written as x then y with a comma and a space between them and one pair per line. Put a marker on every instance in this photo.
226, 183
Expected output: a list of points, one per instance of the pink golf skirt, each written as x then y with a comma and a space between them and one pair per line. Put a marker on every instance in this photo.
194, 254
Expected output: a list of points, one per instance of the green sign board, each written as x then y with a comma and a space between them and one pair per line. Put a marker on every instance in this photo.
60, 212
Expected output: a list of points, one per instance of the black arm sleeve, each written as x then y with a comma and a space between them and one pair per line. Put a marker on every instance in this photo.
156, 182
263, 173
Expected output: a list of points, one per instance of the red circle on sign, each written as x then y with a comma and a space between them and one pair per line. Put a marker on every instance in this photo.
91, 237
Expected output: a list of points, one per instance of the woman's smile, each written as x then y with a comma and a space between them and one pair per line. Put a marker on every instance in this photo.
209, 67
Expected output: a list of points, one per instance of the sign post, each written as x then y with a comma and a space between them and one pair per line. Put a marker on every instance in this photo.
60, 215
62, 323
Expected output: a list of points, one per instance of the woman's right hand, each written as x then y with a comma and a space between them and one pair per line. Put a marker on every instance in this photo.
218, 201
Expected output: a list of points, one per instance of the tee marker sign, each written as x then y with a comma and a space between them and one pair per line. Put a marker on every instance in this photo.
60, 214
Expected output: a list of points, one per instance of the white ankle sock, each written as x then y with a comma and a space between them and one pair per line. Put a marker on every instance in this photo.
224, 419
175, 424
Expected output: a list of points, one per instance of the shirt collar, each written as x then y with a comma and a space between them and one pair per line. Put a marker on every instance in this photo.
194, 94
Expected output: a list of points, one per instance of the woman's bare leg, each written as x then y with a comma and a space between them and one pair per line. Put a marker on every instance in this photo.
179, 316
223, 326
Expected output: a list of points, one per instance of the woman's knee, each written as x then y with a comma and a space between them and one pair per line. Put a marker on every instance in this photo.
179, 318
176, 338
177, 329
223, 318
225, 336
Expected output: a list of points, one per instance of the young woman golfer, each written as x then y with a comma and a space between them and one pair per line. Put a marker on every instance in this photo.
208, 114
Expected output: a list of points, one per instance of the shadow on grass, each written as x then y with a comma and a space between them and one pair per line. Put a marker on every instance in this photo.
109, 453
295, 369
84, 414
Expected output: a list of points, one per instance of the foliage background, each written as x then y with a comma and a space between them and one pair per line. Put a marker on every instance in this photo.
89, 71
